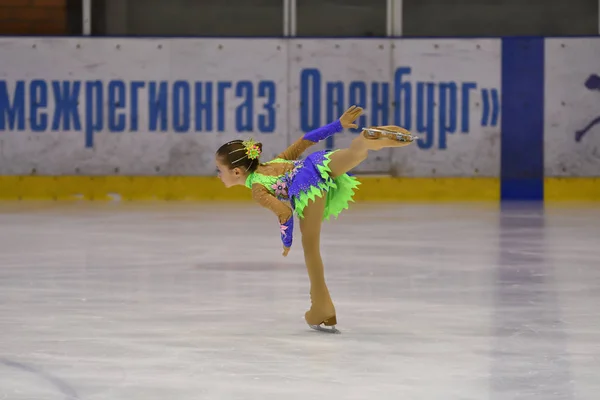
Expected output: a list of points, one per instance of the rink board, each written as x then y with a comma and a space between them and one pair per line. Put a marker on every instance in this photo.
107, 106
83, 117
572, 106
571, 148
137, 106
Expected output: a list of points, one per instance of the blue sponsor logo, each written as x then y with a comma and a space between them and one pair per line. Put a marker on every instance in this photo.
397, 102
114, 106
592, 83
433, 110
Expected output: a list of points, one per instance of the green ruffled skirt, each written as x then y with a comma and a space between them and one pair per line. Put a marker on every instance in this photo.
311, 179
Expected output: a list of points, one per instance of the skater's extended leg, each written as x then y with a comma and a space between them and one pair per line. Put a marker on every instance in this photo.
346, 159
322, 309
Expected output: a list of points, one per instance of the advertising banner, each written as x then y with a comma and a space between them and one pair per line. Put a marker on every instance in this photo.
163, 106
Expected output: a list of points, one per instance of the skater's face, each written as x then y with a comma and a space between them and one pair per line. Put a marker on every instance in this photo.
229, 176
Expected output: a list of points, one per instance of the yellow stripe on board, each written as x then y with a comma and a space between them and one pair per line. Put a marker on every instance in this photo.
118, 187
428, 189
211, 188
572, 189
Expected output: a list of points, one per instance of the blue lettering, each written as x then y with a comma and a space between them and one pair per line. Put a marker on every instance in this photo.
267, 123
466, 87
135, 87
437, 112
15, 113
116, 100
310, 84
334, 104
221, 87
38, 94
495, 107
157, 100
488, 109
66, 100
358, 96
447, 111
402, 88
204, 106
334, 100
181, 106
425, 121
93, 111
380, 111
244, 112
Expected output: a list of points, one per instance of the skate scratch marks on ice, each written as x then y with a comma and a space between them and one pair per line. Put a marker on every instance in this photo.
62, 386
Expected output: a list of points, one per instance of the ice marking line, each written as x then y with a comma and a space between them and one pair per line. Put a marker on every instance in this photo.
62, 386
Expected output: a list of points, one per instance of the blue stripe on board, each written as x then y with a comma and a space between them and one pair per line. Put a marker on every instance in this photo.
522, 150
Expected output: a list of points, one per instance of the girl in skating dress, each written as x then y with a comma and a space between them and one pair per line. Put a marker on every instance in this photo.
316, 188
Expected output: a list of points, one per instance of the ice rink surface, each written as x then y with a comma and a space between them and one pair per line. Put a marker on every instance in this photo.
117, 301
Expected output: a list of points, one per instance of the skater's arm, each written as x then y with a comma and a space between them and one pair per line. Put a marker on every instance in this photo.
296, 149
267, 200
322, 133
309, 139
284, 213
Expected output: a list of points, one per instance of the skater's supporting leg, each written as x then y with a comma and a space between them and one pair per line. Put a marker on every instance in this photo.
322, 309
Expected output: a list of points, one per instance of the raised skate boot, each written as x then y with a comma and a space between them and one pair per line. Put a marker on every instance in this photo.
388, 136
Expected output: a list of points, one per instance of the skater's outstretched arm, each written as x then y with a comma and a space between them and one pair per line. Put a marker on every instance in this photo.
313, 137
296, 149
284, 214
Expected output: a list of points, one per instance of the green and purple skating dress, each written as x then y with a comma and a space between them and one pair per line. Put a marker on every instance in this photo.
287, 178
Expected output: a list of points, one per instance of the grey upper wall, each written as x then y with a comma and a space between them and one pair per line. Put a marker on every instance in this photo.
500, 17
345, 17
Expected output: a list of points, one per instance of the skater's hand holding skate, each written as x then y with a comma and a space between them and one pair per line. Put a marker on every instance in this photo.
348, 118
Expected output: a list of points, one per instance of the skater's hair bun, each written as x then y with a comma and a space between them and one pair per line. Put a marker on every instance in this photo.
244, 154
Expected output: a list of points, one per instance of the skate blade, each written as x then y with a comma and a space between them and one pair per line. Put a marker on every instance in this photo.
399, 136
321, 328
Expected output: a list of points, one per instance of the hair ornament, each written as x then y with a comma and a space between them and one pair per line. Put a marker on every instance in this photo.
252, 149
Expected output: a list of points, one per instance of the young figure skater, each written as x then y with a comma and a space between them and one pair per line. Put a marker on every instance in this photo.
316, 188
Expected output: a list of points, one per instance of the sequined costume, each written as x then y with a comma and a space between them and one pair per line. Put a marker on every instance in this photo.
316, 188
289, 179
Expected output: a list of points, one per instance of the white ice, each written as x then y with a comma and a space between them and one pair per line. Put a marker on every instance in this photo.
126, 301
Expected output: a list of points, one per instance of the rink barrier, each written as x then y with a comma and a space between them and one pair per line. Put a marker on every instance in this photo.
526, 123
